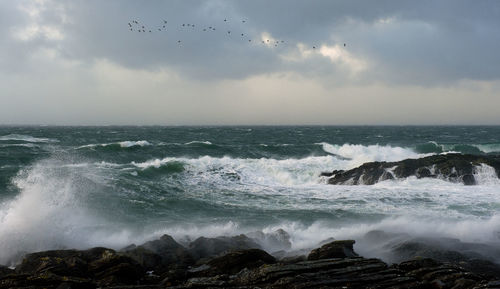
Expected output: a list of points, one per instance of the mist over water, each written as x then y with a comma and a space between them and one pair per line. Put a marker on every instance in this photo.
79, 187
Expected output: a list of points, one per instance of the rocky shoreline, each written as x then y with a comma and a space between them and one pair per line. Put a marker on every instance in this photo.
450, 167
240, 262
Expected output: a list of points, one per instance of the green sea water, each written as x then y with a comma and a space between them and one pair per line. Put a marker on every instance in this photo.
111, 186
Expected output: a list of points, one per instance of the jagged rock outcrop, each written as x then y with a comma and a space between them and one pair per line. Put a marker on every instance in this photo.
450, 167
233, 262
334, 265
160, 255
209, 247
335, 249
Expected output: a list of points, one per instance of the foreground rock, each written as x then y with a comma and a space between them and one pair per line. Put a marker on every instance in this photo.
333, 265
450, 167
477, 258
335, 249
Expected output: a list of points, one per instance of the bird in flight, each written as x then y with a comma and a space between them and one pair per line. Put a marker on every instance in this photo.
141, 27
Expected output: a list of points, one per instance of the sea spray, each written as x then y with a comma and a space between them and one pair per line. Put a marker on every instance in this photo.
115, 186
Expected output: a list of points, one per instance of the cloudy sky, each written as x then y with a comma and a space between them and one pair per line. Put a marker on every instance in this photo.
404, 62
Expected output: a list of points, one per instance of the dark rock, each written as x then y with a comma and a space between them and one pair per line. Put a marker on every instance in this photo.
104, 268
233, 262
483, 267
331, 174
277, 240
160, 255
335, 249
122, 273
5, 271
423, 173
293, 259
468, 180
210, 247
418, 263
111, 268
449, 251
146, 258
451, 167
80, 269
59, 262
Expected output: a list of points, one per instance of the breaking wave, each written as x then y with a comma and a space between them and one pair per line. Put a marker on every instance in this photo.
26, 138
360, 154
122, 144
434, 147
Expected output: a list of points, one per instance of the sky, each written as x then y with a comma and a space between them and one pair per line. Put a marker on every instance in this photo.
404, 62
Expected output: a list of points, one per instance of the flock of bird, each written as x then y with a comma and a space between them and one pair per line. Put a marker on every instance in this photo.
136, 26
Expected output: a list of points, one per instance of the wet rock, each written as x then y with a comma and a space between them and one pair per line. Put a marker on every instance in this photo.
335, 249
451, 167
233, 262
277, 240
334, 265
5, 271
210, 247
59, 262
79, 269
110, 268
160, 255
468, 180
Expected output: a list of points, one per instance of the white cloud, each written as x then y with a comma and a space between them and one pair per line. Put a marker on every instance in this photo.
36, 26
33, 31
340, 55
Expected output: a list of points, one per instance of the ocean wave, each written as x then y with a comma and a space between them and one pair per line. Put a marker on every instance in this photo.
58, 203
26, 138
26, 145
359, 154
257, 171
205, 142
122, 144
434, 147
486, 175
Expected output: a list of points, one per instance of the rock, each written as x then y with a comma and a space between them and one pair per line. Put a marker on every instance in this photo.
451, 167
59, 262
80, 269
113, 269
293, 259
418, 263
149, 260
253, 268
160, 254
335, 249
468, 180
233, 262
277, 240
210, 247
5, 271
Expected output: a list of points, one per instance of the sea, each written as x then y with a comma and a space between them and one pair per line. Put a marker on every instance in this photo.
83, 186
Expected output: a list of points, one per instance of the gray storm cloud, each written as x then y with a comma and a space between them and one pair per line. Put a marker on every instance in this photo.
77, 62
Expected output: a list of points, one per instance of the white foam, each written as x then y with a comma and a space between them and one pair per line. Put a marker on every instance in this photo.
127, 144
53, 208
488, 148
198, 142
123, 144
360, 154
52, 212
485, 175
261, 171
27, 145
27, 138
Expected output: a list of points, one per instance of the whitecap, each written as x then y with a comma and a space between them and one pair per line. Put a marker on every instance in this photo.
27, 138
198, 142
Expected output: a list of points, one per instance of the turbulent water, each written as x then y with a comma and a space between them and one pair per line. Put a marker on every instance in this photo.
78, 187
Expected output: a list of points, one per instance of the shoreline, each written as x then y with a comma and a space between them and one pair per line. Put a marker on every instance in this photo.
239, 262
